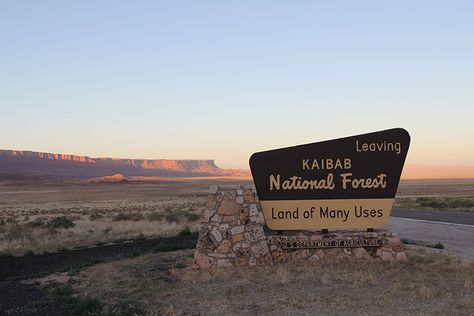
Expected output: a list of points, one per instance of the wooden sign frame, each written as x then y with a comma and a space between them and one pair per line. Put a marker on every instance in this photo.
348, 182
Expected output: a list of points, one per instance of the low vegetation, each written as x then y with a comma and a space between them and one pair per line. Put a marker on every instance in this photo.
128, 217
60, 222
452, 204
66, 296
46, 226
429, 283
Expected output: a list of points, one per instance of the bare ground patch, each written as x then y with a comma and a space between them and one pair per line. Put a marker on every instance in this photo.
428, 284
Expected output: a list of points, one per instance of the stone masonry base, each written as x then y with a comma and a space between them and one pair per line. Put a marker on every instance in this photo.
233, 233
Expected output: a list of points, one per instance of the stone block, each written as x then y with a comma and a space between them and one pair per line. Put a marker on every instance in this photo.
228, 207
333, 251
206, 217
394, 241
230, 194
387, 256
303, 253
231, 219
254, 233
321, 254
237, 238
253, 210
249, 196
401, 257
278, 256
239, 200
216, 218
240, 192
236, 247
361, 253
217, 255
223, 227
379, 252
202, 261
216, 235
221, 263
224, 246
260, 219
237, 229
244, 215
252, 261
259, 249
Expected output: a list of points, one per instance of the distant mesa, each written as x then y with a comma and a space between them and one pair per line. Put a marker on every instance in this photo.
116, 178
63, 166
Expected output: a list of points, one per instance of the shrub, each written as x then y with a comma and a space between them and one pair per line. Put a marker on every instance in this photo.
29, 253
185, 232
155, 216
133, 253
192, 217
65, 295
177, 214
37, 222
445, 203
95, 216
11, 220
457, 203
18, 232
438, 245
128, 217
173, 215
60, 222
125, 307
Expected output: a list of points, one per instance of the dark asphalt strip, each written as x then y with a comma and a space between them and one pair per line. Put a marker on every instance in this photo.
435, 216
43, 264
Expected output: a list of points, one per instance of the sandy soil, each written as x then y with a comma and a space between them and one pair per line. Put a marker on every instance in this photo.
428, 284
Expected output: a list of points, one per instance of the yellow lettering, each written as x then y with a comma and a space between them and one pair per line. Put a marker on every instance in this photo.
274, 182
305, 164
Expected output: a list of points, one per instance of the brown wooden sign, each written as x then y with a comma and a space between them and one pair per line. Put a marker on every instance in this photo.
343, 183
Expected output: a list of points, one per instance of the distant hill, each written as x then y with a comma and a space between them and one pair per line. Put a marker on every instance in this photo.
14, 162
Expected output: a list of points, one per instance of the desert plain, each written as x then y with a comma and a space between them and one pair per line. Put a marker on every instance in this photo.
43, 217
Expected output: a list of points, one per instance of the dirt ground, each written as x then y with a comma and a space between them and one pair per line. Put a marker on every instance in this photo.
428, 284
158, 283
46, 216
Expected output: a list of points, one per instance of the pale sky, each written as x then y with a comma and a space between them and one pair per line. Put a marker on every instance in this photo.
221, 79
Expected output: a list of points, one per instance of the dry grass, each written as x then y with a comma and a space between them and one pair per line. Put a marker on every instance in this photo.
34, 220
442, 203
447, 195
429, 284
